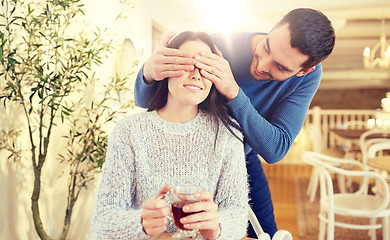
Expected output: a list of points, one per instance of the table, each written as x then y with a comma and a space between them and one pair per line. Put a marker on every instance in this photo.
349, 137
349, 133
167, 236
380, 162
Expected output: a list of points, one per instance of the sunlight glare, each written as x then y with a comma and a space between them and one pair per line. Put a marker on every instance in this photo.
221, 15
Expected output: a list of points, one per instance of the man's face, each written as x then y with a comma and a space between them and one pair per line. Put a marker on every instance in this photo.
275, 59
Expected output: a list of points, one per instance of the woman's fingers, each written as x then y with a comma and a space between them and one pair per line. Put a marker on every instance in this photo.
204, 196
155, 222
205, 213
153, 231
203, 225
163, 190
154, 214
155, 208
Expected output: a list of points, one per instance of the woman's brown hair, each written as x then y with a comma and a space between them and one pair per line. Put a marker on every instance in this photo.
214, 104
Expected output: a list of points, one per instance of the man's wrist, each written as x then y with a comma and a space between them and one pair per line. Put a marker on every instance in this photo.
233, 94
147, 80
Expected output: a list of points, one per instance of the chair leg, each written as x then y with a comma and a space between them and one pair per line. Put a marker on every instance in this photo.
313, 185
312, 181
313, 192
385, 230
321, 233
310, 186
322, 227
372, 232
330, 231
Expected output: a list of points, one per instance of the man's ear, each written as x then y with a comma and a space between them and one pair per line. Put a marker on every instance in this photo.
305, 71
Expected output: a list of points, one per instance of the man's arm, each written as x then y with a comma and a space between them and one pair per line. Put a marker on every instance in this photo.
272, 138
272, 117
143, 91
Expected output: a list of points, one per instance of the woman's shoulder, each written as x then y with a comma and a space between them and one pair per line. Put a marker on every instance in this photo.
214, 124
131, 120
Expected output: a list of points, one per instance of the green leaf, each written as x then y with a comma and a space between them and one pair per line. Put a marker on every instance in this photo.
42, 100
67, 109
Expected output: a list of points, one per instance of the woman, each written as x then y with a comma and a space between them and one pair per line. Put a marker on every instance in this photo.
185, 138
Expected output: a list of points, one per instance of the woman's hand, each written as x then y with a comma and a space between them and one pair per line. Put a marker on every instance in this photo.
155, 212
205, 217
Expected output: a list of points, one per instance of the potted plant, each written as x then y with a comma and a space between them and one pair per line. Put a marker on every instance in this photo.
47, 67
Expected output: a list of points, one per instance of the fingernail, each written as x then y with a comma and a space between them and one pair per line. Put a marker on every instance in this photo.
187, 208
197, 57
184, 219
197, 194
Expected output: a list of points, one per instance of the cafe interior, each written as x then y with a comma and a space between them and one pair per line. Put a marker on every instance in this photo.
334, 181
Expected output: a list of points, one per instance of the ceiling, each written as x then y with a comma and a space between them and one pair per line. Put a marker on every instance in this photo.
357, 24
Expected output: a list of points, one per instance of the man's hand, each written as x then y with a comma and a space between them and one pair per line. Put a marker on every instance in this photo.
155, 212
206, 218
217, 69
167, 62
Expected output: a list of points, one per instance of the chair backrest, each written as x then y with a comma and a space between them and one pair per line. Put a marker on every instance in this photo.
378, 147
256, 226
371, 137
315, 135
327, 165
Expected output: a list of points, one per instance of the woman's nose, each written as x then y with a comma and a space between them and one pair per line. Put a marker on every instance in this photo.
195, 74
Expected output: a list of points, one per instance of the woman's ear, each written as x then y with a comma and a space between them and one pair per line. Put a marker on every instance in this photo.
305, 71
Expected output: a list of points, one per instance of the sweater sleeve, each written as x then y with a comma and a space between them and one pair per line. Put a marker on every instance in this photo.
143, 92
272, 138
232, 193
115, 216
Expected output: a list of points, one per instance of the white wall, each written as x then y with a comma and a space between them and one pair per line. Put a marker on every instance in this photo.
16, 179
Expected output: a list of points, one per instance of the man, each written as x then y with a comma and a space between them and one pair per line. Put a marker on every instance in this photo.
268, 86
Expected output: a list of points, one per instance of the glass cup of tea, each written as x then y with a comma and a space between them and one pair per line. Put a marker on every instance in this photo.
178, 197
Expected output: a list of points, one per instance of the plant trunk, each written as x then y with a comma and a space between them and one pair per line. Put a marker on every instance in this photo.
66, 227
69, 208
35, 205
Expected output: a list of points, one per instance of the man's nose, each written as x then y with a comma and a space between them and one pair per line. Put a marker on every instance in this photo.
264, 64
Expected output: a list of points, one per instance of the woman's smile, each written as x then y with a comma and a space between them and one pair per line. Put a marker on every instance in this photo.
193, 87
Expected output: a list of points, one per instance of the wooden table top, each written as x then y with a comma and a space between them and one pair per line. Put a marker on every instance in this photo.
167, 236
381, 162
349, 133
356, 133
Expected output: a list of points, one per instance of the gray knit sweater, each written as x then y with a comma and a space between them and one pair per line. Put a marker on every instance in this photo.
146, 152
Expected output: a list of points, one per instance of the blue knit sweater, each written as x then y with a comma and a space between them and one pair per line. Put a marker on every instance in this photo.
271, 113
